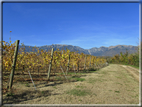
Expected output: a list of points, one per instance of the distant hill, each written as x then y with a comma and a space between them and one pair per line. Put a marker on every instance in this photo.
102, 51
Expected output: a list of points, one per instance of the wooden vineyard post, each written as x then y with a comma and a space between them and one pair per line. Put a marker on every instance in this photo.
50, 65
14, 64
85, 62
68, 65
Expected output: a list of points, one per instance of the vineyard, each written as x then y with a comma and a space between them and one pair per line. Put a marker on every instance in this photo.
45, 65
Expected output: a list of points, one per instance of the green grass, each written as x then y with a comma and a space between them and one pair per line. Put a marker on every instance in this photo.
78, 79
92, 71
68, 73
55, 87
80, 73
137, 95
117, 91
9, 94
127, 65
78, 92
132, 66
59, 78
80, 86
104, 72
118, 83
42, 92
118, 77
27, 85
65, 73
79, 100
93, 80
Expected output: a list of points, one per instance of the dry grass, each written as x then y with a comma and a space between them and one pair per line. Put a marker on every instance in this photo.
110, 85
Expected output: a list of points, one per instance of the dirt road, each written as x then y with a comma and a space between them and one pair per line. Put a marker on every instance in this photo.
110, 85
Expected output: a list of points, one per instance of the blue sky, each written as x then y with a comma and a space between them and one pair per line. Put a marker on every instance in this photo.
86, 25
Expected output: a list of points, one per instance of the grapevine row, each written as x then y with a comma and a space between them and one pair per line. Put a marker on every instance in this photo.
41, 59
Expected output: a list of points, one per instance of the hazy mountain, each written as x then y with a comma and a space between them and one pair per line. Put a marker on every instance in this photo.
113, 50
102, 51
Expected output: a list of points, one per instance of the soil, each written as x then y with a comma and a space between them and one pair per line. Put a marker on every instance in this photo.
113, 84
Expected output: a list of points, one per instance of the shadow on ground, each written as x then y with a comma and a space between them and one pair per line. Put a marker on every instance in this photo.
18, 97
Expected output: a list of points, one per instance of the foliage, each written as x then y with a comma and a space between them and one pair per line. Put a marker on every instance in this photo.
126, 58
41, 59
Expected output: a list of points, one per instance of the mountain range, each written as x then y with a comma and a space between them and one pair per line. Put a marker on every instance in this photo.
101, 51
